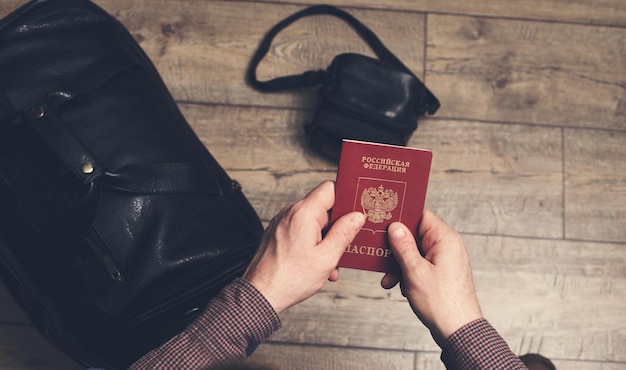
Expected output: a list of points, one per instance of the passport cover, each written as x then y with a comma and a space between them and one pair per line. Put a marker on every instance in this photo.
387, 183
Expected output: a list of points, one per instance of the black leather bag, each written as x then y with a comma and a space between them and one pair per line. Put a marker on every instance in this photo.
116, 224
360, 97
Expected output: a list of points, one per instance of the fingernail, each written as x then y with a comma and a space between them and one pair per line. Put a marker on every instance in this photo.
396, 231
357, 219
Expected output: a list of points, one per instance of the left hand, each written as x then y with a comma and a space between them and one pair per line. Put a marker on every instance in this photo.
293, 261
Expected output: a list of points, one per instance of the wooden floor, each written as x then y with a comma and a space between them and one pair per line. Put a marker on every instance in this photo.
529, 164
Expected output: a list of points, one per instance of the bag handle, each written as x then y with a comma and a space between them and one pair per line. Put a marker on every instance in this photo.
313, 78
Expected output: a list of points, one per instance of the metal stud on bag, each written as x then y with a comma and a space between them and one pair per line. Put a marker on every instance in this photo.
38, 112
87, 168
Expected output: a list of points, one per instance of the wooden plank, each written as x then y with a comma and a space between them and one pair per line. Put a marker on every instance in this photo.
534, 72
264, 150
431, 361
355, 312
605, 12
285, 356
495, 179
595, 185
202, 48
588, 365
507, 176
559, 298
23, 348
269, 193
248, 138
7, 6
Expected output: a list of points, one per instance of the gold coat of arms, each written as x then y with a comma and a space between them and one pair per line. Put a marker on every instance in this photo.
378, 203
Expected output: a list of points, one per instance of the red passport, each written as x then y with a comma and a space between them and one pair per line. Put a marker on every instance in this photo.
387, 183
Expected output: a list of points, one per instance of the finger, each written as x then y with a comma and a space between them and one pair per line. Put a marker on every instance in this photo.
318, 203
433, 231
389, 281
404, 247
343, 231
323, 196
402, 289
429, 221
334, 275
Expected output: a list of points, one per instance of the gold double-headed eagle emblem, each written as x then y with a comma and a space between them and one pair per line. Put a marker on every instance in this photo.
378, 203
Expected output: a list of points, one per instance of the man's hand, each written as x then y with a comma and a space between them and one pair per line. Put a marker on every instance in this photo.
438, 282
293, 261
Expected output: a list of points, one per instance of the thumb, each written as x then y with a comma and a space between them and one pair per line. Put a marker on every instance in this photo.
404, 247
343, 231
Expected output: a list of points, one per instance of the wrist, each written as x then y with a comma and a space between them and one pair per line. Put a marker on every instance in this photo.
264, 288
443, 330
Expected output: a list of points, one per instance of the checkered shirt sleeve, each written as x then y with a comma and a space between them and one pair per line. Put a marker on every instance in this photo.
237, 319
477, 345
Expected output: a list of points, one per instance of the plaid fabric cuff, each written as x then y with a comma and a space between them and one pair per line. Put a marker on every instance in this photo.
237, 319
241, 318
477, 345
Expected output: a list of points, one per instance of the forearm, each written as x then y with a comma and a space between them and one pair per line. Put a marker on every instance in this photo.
477, 345
237, 319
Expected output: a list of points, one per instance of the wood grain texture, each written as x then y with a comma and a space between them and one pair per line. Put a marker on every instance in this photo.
533, 72
495, 178
604, 12
507, 176
281, 356
529, 162
539, 294
202, 48
249, 138
595, 170
7, 6
289, 356
431, 361
355, 312
428, 361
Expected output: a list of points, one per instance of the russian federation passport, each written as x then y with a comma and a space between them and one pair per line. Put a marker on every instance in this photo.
387, 183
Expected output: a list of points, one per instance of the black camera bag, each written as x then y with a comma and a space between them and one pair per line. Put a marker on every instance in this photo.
117, 226
359, 97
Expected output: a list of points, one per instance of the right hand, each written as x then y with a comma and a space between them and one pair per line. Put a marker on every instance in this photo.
437, 283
